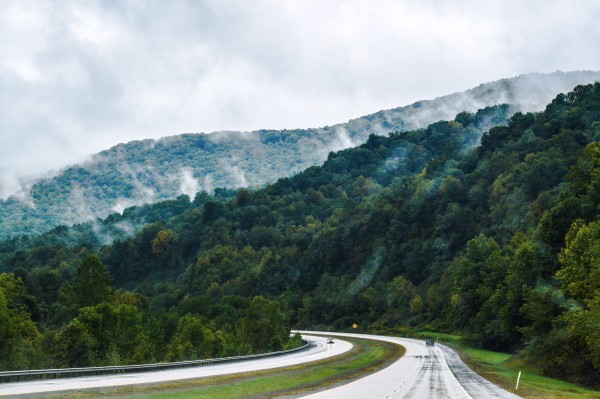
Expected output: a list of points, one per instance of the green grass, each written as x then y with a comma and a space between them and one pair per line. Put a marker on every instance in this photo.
449, 338
503, 369
366, 357
484, 356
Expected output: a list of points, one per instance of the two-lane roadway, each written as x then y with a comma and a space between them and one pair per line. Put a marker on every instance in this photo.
423, 372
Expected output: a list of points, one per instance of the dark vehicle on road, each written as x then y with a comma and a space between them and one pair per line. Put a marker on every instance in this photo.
429, 342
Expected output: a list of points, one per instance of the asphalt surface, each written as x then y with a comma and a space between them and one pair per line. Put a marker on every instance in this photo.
321, 350
423, 372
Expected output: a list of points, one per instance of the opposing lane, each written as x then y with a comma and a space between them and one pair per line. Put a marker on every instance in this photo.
423, 372
320, 351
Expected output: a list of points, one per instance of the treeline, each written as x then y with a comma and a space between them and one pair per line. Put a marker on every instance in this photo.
492, 236
85, 321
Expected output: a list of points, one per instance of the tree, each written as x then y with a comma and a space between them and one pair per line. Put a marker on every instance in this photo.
584, 323
19, 337
162, 242
476, 277
264, 328
531, 265
92, 284
580, 260
580, 277
73, 346
400, 292
416, 304
193, 340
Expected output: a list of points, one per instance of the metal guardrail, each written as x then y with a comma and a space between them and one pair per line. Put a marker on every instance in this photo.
30, 375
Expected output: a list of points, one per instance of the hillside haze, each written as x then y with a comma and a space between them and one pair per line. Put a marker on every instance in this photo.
148, 171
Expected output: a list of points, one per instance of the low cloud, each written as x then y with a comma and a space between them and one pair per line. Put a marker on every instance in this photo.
228, 136
208, 185
341, 140
24, 195
189, 184
78, 77
79, 208
239, 177
365, 277
141, 195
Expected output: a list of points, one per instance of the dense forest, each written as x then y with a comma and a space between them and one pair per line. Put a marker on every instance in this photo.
494, 234
149, 171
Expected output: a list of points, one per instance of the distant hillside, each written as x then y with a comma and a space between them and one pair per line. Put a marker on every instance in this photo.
148, 171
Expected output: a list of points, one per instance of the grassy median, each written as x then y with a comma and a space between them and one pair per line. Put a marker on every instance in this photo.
366, 357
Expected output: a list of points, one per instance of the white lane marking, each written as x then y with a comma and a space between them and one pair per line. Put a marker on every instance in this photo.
453, 376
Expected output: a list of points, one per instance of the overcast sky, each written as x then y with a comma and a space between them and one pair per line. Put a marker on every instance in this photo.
79, 76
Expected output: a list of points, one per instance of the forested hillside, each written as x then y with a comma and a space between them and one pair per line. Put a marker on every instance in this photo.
494, 236
148, 171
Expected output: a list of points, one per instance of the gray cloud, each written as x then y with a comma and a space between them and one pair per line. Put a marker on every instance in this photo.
189, 184
78, 77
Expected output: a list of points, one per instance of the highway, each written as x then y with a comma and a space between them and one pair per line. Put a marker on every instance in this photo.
423, 372
318, 352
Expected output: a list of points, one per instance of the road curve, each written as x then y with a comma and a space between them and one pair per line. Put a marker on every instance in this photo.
320, 351
423, 372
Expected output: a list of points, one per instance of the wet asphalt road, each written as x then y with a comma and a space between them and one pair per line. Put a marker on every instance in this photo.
423, 372
320, 350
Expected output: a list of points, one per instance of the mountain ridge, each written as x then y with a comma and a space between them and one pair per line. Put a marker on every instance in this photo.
146, 171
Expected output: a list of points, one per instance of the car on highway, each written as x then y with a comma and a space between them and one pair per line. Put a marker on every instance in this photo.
429, 342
